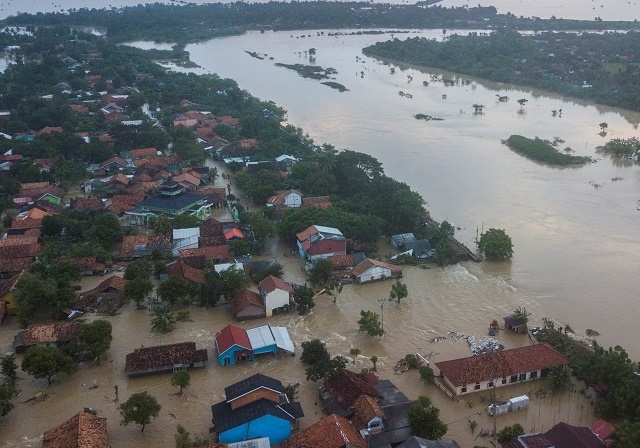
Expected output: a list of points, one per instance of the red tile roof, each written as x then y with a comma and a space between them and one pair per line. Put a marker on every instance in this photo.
602, 429
181, 269
230, 336
26, 223
208, 252
306, 234
367, 264
113, 282
86, 263
500, 364
332, 431
83, 430
365, 409
19, 250
129, 243
15, 265
18, 240
157, 162
346, 387
317, 201
143, 152
116, 160
341, 261
246, 299
44, 334
150, 359
272, 283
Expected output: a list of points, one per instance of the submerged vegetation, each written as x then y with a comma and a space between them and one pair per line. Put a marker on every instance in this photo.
542, 151
627, 148
427, 117
335, 85
309, 71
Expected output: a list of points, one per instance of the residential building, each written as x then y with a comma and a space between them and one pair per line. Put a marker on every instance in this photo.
83, 430
88, 265
138, 246
50, 334
276, 295
497, 369
332, 431
321, 242
562, 435
106, 296
515, 324
419, 442
255, 407
247, 304
285, 199
373, 270
164, 359
235, 344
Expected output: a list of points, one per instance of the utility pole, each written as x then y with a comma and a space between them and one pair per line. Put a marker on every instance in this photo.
382, 313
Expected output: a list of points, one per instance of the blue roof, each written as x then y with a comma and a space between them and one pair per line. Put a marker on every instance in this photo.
225, 418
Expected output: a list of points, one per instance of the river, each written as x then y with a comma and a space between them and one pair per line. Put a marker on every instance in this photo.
576, 246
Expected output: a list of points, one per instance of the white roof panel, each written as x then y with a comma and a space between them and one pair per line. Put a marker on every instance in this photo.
260, 337
179, 234
324, 229
283, 341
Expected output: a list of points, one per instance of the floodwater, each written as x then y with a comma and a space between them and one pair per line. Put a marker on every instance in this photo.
567, 9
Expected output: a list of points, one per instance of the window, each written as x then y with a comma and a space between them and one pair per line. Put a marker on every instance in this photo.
504, 380
464, 389
477, 386
490, 384
533, 375
514, 378
522, 377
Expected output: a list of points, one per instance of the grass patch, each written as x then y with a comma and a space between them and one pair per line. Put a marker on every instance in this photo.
542, 151
427, 117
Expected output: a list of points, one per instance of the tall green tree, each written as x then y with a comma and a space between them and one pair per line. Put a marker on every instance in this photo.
303, 298
626, 435
7, 392
9, 368
93, 341
137, 290
424, 420
318, 361
181, 379
46, 362
141, 408
370, 323
508, 433
398, 291
496, 245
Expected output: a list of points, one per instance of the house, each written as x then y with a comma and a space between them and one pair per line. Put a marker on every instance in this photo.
603, 430
171, 200
106, 296
482, 372
17, 252
270, 339
217, 197
515, 324
285, 199
339, 391
198, 257
144, 153
276, 295
144, 245
181, 269
399, 241
88, 265
255, 407
562, 435
247, 304
87, 204
232, 345
332, 431
50, 334
164, 359
420, 249
185, 239
114, 163
373, 270
419, 442
321, 242
83, 430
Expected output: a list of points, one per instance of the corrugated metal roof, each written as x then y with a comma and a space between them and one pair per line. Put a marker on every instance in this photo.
190, 232
283, 341
261, 337
262, 442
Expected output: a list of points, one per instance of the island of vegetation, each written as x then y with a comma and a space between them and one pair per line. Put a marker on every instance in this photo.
626, 148
596, 67
543, 151
309, 71
426, 117
335, 85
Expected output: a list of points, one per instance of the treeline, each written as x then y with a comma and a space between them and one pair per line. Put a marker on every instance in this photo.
189, 23
596, 67
542, 151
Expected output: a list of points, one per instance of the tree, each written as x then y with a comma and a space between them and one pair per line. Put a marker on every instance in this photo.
182, 438
398, 291
374, 361
626, 435
139, 268
522, 101
560, 378
354, 352
424, 420
370, 323
522, 315
318, 361
426, 373
508, 433
189, 151
173, 290
46, 362
303, 298
603, 127
107, 230
233, 280
592, 334
7, 392
261, 229
140, 409
162, 225
321, 272
94, 339
496, 245
334, 288
163, 321
137, 290
9, 368
180, 379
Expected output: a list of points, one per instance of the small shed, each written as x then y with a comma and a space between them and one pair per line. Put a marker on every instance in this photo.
262, 340
399, 241
517, 403
515, 324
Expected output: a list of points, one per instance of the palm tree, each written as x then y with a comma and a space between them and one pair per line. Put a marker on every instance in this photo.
477, 108
327, 159
522, 101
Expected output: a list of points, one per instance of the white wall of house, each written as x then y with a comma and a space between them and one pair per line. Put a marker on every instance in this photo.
275, 299
499, 382
327, 255
374, 273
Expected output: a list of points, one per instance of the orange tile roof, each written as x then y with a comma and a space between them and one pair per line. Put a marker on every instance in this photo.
88, 203
332, 431
86, 263
20, 250
272, 283
26, 223
209, 252
346, 387
44, 334
470, 370
113, 282
18, 240
306, 234
365, 409
245, 298
83, 430
143, 152
129, 243
181, 269
367, 264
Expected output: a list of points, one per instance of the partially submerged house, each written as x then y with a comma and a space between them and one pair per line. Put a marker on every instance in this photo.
83, 430
515, 324
247, 304
165, 358
373, 270
562, 435
235, 344
255, 407
276, 295
138, 246
497, 369
321, 242
332, 431
51, 334
108, 295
